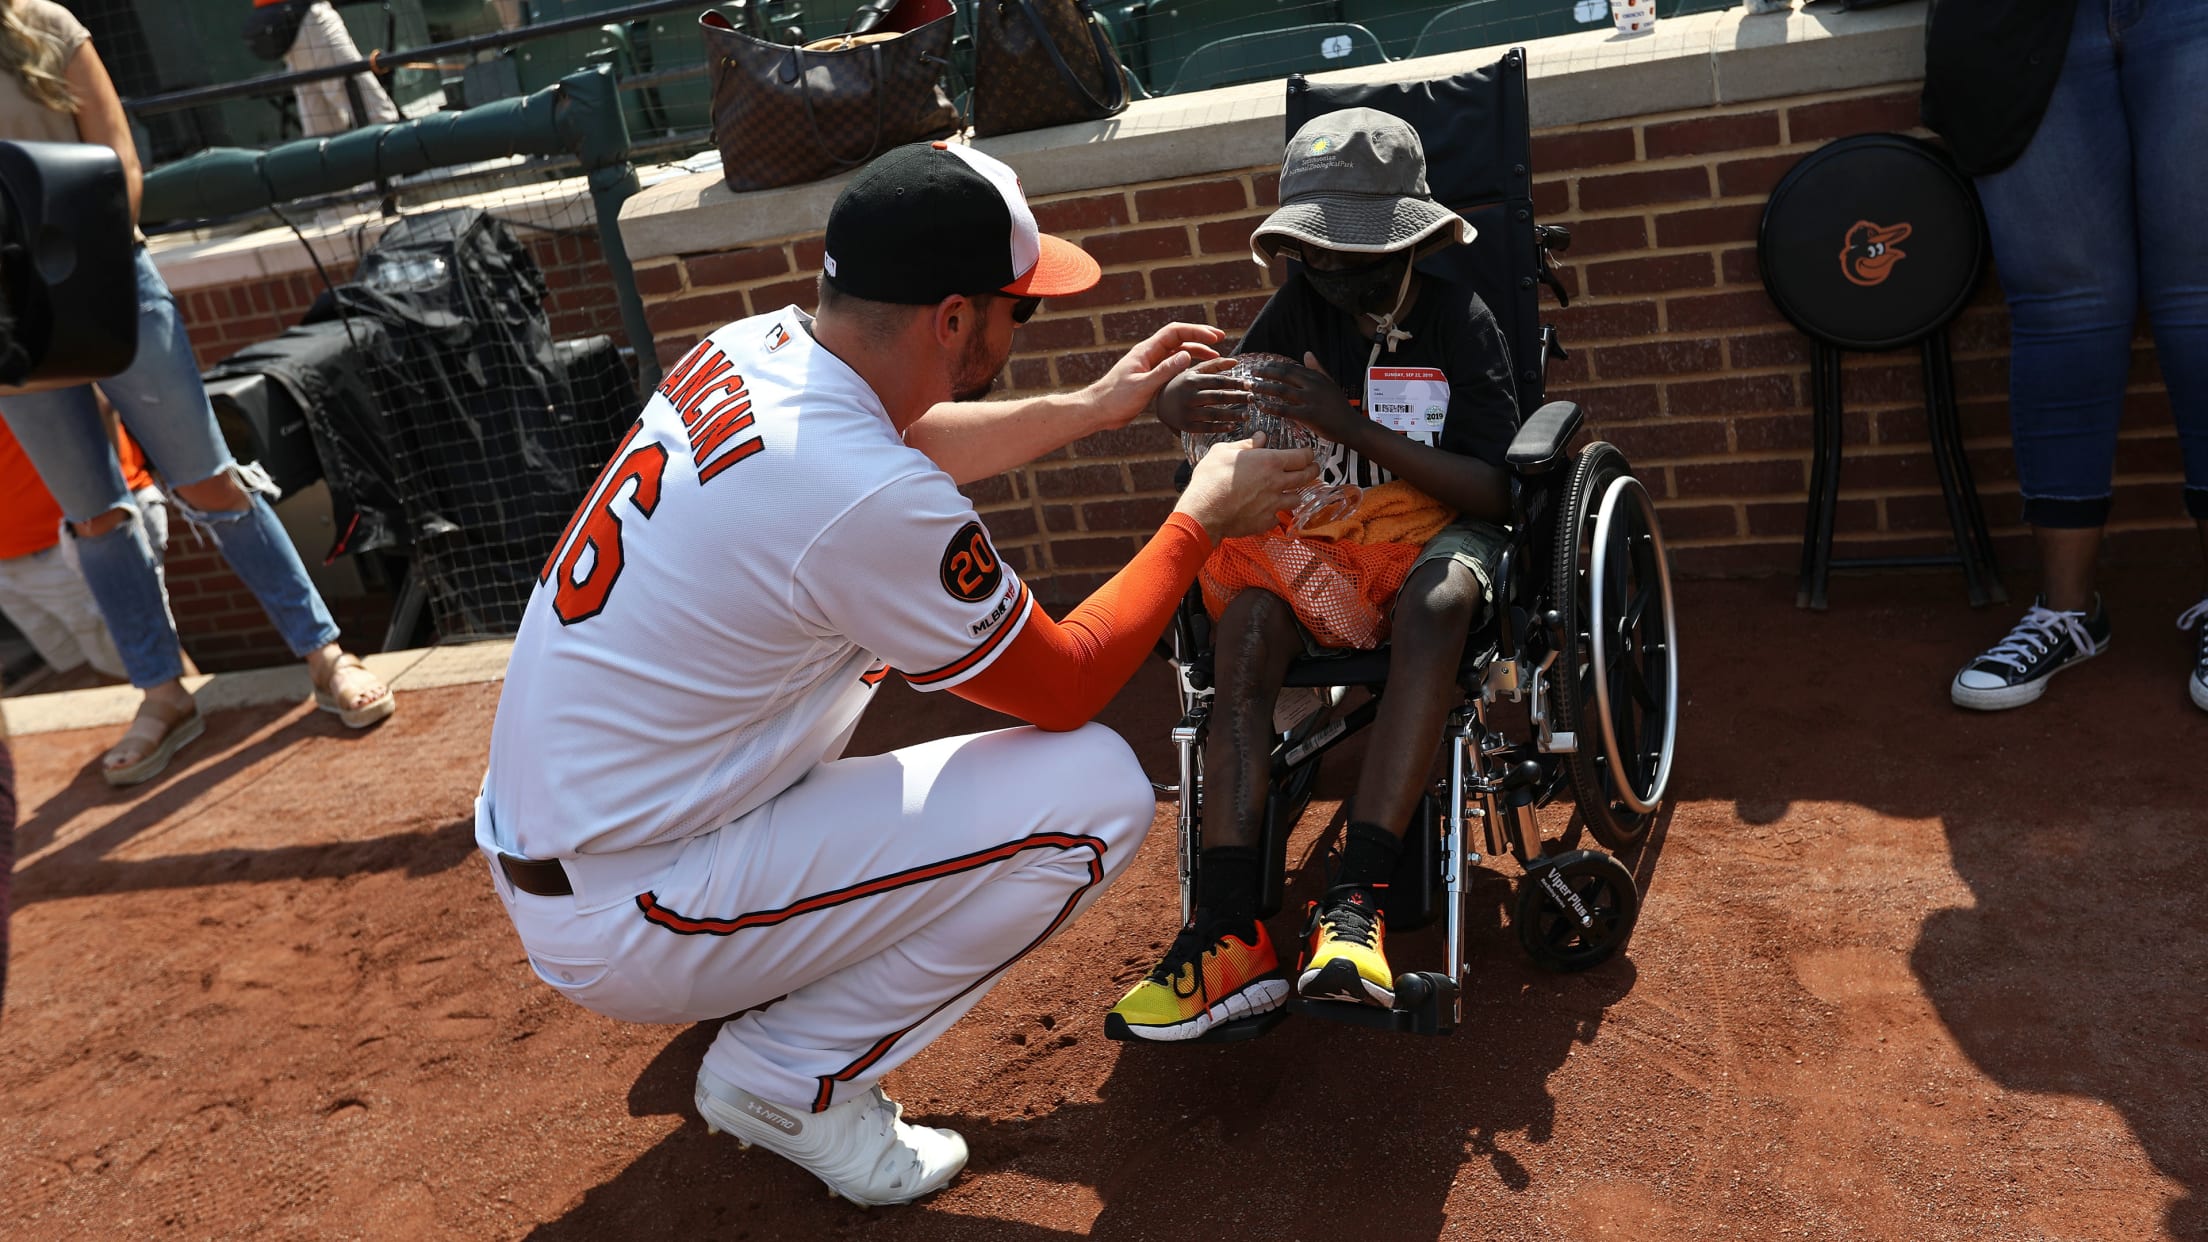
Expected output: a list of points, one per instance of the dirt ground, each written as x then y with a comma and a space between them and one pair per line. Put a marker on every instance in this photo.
1902, 973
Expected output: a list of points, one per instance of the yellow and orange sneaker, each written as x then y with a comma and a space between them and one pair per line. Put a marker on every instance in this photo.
1213, 972
1344, 960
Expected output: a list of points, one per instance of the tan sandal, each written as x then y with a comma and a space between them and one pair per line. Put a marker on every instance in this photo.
378, 707
164, 738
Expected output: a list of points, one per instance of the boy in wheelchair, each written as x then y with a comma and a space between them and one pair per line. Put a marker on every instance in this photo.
1356, 213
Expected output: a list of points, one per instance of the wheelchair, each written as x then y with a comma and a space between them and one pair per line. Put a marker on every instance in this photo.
1579, 628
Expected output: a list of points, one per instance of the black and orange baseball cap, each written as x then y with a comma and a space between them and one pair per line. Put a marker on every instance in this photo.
934, 219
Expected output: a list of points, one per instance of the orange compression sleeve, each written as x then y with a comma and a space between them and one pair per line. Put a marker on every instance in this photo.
1058, 674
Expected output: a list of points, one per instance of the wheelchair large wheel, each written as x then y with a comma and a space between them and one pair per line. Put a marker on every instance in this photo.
1576, 910
1616, 690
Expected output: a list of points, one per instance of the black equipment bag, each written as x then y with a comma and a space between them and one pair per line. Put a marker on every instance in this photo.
489, 453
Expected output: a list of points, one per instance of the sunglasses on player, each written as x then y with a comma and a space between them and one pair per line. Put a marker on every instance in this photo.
1024, 309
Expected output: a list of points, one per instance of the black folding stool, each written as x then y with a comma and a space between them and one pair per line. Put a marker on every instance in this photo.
1874, 243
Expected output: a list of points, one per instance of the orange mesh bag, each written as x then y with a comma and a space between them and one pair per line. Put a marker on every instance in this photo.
1342, 587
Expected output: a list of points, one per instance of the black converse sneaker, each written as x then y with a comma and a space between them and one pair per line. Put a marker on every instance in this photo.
2015, 670
2195, 619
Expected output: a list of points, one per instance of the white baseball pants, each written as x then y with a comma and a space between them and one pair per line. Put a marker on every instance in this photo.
852, 919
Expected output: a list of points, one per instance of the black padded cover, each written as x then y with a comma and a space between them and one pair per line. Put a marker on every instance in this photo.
1475, 131
1872, 242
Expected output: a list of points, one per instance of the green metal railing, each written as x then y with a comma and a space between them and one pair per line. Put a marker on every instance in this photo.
579, 117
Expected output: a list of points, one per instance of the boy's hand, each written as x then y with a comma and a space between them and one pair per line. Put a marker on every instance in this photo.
1202, 400
1311, 397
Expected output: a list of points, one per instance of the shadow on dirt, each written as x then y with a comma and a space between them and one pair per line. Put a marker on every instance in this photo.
2076, 822
83, 868
1163, 1112
1420, 1109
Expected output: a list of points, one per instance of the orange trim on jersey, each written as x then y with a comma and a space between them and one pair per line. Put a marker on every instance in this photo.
684, 924
1059, 674
1012, 619
873, 676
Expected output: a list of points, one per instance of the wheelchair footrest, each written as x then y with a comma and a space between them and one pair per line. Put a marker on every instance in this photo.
1425, 1004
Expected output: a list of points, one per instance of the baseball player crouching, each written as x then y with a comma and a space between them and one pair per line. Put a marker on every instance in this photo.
666, 816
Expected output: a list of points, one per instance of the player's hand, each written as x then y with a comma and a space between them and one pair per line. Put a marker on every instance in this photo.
1240, 487
1311, 397
1202, 401
1125, 391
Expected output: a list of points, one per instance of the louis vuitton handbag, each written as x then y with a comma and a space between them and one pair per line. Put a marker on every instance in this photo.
785, 114
1040, 63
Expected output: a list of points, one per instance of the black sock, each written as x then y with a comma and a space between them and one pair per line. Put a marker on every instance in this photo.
1368, 855
1227, 883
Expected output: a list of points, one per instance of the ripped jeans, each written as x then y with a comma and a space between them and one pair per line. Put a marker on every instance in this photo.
162, 403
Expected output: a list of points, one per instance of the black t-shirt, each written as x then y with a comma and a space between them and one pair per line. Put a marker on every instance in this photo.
1451, 331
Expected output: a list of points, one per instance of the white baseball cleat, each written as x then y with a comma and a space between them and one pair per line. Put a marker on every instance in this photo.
861, 1148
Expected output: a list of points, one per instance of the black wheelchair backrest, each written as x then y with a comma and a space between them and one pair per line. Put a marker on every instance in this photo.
1478, 140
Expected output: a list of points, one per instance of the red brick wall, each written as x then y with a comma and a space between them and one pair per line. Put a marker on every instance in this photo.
221, 623
1676, 352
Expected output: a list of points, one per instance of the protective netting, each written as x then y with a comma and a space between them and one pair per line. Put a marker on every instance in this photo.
456, 433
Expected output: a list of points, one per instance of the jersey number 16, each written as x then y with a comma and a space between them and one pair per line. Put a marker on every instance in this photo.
597, 527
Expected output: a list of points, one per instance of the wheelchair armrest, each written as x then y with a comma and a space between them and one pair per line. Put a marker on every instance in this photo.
1540, 442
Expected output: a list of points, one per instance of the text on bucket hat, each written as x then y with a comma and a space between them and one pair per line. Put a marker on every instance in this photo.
1355, 181
933, 219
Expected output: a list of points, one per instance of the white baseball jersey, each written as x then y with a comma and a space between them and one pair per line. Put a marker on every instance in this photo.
760, 547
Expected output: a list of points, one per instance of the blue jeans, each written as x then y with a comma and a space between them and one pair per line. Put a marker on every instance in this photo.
163, 404
2101, 214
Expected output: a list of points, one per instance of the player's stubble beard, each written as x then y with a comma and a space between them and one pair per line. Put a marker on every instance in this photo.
977, 373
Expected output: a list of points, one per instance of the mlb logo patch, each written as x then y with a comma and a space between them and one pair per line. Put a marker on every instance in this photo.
776, 338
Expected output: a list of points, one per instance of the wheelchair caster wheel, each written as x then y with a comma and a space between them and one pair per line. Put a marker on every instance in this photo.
1576, 910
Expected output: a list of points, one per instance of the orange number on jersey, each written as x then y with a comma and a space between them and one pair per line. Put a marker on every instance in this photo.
598, 528
970, 569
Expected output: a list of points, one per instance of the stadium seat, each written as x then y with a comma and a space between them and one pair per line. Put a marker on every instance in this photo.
1172, 30
1490, 23
1276, 54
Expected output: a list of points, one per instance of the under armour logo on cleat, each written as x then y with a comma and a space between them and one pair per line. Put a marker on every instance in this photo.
773, 1117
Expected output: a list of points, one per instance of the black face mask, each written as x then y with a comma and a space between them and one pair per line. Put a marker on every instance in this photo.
1368, 290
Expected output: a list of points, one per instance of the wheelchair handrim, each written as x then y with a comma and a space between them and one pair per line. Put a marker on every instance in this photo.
1598, 644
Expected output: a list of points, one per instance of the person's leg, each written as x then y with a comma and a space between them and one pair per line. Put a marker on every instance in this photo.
25, 584
60, 432
60, 590
1004, 839
163, 404
153, 507
872, 903
1434, 614
2165, 78
1222, 966
2061, 221
1257, 638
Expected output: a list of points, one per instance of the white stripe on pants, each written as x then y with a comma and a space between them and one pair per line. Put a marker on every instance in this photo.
878, 899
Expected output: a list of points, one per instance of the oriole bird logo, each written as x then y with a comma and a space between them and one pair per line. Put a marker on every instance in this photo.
1871, 250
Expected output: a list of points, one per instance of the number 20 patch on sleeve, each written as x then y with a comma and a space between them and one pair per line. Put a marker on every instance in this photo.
970, 569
